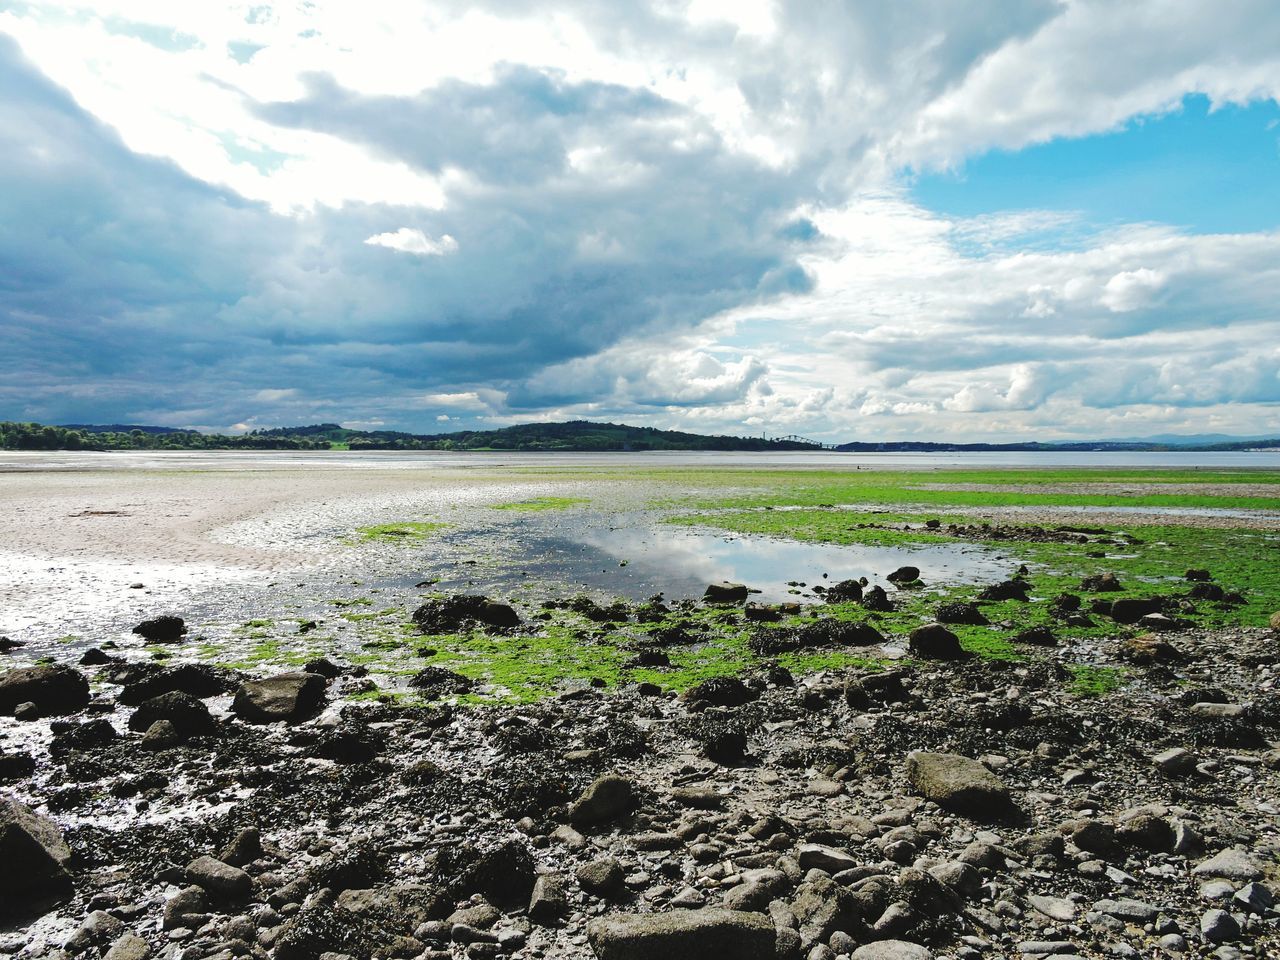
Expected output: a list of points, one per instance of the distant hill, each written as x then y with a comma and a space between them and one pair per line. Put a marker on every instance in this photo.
570, 436
574, 435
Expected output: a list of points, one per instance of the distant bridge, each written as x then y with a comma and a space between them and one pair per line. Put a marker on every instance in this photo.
792, 438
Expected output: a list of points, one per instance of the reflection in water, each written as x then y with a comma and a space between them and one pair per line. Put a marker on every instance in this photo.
681, 564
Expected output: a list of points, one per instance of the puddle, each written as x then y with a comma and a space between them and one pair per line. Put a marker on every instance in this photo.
639, 562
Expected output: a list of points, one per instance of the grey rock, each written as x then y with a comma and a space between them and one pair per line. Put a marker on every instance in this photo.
549, 902
1218, 926
219, 879
1175, 762
129, 947
1230, 864
1254, 897
683, 935
822, 857
1135, 911
286, 696
603, 877
958, 783
892, 950
1055, 908
823, 906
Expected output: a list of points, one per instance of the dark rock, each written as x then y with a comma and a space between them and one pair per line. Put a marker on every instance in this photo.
823, 906
36, 859
194, 679
91, 735
16, 766
436, 682
287, 696
164, 629
1040, 636
96, 657
960, 611
720, 692
1147, 649
904, 575
548, 902
1101, 583
608, 798
322, 666
602, 877
464, 611
401, 908
54, 689
1197, 575
958, 783
244, 848
1014, 589
725, 592
933, 641
189, 716
161, 735
1146, 831
875, 599
6, 644
683, 935
1133, 609
129, 946
846, 591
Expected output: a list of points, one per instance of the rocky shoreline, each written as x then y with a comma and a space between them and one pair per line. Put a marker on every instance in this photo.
951, 808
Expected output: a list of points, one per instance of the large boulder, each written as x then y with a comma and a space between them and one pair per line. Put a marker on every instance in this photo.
286, 696
464, 612
958, 783
163, 629
683, 935
608, 798
933, 641
189, 716
55, 689
35, 858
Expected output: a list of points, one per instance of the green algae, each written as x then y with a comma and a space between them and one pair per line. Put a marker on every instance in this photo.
539, 504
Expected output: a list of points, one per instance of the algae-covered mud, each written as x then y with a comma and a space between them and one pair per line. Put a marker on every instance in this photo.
752, 649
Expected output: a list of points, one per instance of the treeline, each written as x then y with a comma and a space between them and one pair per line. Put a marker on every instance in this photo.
36, 436
572, 436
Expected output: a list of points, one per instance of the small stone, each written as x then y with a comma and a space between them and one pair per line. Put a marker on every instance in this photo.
892, 950
26, 712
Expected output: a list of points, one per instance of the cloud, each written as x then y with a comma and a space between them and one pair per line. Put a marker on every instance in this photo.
682, 214
412, 240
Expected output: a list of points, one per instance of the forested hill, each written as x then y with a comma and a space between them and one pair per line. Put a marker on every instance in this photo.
576, 435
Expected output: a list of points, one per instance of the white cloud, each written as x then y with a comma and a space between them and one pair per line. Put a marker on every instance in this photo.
1132, 289
412, 240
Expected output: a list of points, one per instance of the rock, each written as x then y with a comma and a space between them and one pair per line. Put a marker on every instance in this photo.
830, 859
199, 680
219, 879
1013, 589
189, 716
245, 847
1175, 762
1039, 636
129, 947
35, 858
699, 798
601, 877
548, 903
165, 629
26, 712
960, 611
1218, 926
1055, 908
823, 906
1218, 711
846, 591
1230, 864
6, 644
904, 575
1275, 622
892, 950
1147, 831
935, 642
161, 735
54, 689
608, 798
1133, 609
451, 614
725, 592
683, 935
1135, 911
287, 696
89, 736
1101, 583
189, 907
958, 783
16, 766
720, 692
1254, 898
1146, 649
401, 908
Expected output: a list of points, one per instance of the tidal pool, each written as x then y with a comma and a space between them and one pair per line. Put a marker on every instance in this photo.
638, 562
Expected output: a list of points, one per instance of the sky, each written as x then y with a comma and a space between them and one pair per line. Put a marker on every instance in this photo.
925, 220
